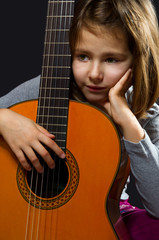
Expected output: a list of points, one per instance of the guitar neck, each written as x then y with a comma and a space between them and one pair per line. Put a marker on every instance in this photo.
54, 87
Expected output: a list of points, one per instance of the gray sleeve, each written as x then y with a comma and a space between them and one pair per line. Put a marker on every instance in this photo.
144, 162
28, 90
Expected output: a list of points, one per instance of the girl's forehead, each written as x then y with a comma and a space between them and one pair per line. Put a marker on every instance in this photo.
104, 32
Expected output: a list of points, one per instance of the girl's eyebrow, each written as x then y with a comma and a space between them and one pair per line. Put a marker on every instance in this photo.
80, 50
109, 53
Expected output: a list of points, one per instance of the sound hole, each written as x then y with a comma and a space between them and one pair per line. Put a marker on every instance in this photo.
51, 182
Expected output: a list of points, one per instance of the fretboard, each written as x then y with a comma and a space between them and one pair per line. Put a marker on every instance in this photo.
54, 87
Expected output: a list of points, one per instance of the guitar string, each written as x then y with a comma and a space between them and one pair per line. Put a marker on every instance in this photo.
36, 180
38, 114
52, 74
66, 22
51, 49
37, 176
60, 74
46, 67
64, 47
57, 51
29, 207
30, 195
57, 104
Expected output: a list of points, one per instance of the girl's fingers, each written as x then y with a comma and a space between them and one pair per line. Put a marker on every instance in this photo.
26, 149
22, 159
124, 83
44, 131
33, 159
41, 150
126, 80
52, 145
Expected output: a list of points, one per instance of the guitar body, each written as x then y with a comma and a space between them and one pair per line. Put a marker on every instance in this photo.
79, 212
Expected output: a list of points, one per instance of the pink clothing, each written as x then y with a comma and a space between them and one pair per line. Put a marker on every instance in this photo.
136, 224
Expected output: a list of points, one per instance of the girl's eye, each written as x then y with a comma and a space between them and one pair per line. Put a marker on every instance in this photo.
111, 60
83, 57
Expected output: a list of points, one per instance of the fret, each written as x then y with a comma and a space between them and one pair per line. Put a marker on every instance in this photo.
59, 101
51, 119
63, 148
54, 127
56, 43
63, 23
48, 116
60, 1
55, 11
58, 67
50, 67
52, 111
55, 83
52, 94
64, 78
63, 133
53, 124
53, 101
51, 88
59, 140
62, 144
57, 37
60, 137
54, 87
59, 11
56, 51
55, 73
60, 16
48, 110
52, 63
57, 48
56, 30
57, 55
50, 107
56, 60
60, 73
60, 8
57, 98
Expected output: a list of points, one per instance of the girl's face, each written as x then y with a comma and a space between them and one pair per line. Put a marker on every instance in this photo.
99, 62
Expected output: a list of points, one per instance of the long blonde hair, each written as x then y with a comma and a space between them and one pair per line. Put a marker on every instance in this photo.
137, 18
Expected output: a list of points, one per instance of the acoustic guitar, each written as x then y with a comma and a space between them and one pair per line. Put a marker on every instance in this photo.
69, 202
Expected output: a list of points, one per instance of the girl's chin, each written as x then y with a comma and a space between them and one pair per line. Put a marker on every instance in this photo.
100, 102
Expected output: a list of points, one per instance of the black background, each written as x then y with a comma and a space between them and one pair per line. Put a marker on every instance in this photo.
22, 29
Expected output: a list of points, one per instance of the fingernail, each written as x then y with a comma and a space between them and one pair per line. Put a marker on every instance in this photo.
52, 166
41, 170
62, 155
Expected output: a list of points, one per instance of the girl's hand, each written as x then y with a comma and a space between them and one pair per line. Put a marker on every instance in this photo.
120, 112
117, 106
24, 137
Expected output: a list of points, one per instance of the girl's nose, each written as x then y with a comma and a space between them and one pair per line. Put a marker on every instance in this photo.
95, 73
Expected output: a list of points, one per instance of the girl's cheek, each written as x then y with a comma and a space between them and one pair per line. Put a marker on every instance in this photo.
114, 75
75, 69
112, 78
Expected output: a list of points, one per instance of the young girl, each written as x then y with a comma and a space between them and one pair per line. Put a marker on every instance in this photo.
115, 52
115, 55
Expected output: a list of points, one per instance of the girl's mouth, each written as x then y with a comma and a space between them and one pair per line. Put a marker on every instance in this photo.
95, 88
